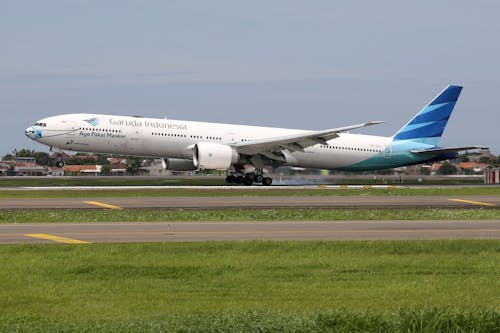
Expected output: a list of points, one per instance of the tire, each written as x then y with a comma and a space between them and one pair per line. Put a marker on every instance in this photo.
250, 177
230, 179
267, 181
60, 164
248, 181
240, 180
259, 179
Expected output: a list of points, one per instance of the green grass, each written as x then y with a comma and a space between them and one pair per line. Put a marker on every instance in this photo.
308, 286
208, 192
442, 320
292, 214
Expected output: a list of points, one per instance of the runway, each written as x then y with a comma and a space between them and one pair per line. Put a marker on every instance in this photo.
259, 202
237, 231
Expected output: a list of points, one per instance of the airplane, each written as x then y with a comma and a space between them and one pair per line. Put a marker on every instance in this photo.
244, 151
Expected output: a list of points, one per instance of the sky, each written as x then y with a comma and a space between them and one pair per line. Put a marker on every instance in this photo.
294, 64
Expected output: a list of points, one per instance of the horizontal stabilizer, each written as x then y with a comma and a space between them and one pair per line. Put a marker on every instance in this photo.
445, 150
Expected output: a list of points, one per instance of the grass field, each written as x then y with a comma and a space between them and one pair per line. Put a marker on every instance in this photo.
431, 286
208, 192
439, 320
186, 215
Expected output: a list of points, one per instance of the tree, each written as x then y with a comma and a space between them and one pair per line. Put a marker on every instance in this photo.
74, 160
487, 160
43, 158
11, 171
105, 170
447, 169
24, 153
425, 171
102, 160
385, 172
133, 165
7, 157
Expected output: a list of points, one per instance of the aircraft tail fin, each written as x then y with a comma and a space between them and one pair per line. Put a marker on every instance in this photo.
428, 125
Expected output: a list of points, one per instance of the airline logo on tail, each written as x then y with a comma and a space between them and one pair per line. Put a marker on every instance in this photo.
428, 125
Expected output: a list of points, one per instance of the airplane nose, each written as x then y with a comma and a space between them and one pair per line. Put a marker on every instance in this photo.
30, 133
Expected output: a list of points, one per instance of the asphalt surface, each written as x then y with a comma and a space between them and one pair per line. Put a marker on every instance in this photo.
216, 231
256, 202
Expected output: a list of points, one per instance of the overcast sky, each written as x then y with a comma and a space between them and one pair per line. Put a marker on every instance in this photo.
295, 64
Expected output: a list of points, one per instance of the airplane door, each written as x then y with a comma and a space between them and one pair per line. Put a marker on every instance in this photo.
134, 141
71, 134
232, 137
388, 152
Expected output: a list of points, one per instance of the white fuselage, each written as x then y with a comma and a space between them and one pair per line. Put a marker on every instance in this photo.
164, 138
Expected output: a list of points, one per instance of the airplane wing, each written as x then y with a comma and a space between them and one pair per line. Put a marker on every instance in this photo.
444, 150
296, 142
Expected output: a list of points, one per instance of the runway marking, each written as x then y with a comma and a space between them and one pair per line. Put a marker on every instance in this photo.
104, 205
474, 202
57, 239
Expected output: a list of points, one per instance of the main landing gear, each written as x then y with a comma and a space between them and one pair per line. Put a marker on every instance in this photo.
249, 179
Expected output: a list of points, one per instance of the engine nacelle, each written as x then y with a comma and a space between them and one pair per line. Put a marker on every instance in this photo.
208, 155
178, 164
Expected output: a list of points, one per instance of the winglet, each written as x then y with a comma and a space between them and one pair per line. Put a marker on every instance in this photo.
348, 128
375, 122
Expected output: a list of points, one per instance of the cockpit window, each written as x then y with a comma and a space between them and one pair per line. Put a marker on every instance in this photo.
41, 124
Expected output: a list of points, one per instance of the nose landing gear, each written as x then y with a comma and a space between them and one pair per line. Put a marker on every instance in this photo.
60, 161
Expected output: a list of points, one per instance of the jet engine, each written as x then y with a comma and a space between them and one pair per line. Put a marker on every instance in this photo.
208, 155
178, 164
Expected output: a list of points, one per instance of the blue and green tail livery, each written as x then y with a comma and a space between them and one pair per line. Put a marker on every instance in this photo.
428, 125
417, 142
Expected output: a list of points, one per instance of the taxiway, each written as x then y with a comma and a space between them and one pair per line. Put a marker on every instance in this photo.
226, 231
259, 202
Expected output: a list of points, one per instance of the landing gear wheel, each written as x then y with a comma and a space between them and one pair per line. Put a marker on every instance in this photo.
230, 179
259, 179
248, 181
240, 180
250, 177
60, 164
267, 181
